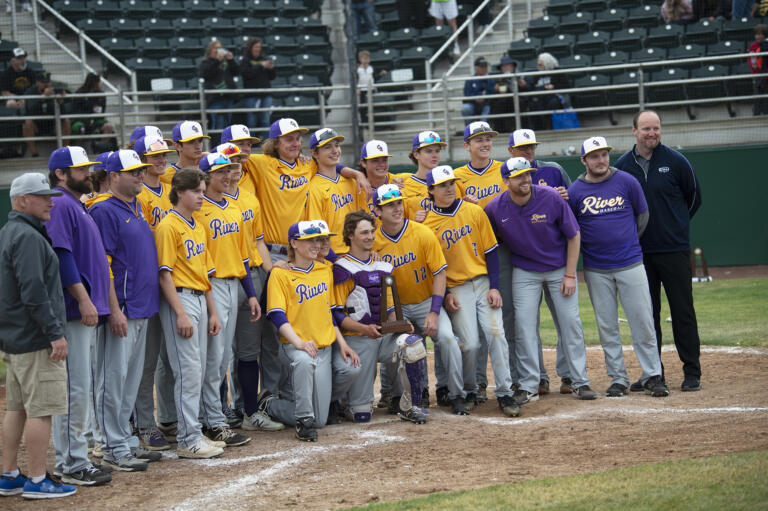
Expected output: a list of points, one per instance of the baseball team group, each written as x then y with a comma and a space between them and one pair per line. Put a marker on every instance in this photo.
145, 304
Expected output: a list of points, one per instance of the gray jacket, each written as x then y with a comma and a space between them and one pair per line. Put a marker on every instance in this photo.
32, 312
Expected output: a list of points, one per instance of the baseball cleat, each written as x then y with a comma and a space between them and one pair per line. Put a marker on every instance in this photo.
335, 413
383, 401
523, 396
89, 476
146, 455
152, 439
260, 421
543, 387
566, 386
616, 390
234, 418
305, 430
637, 386
127, 463
442, 396
414, 415
508, 406
169, 431
656, 387
471, 400
482, 394
459, 406
690, 384
585, 393
425, 398
199, 450
49, 488
226, 435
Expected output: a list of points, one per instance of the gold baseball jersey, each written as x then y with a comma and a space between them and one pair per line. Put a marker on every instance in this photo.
331, 199
181, 249
170, 171
484, 184
155, 203
90, 201
416, 257
390, 178
226, 238
416, 196
465, 236
282, 191
250, 207
306, 298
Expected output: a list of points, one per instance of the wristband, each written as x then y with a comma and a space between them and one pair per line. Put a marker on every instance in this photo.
437, 303
569, 277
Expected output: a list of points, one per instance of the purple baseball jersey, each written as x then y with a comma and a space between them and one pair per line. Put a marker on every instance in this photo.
71, 228
549, 173
536, 234
129, 241
606, 214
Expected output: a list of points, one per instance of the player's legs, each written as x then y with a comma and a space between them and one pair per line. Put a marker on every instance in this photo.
144, 410
492, 325
507, 311
567, 312
185, 358
321, 391
636, 302
526, 291
248, 348
654, 288
464, 322
271, 366
353, 386
69, 430
297, 400
164, 382
602, 289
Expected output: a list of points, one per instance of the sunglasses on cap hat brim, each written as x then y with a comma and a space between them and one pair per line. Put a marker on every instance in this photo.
481, 131
326, 137
221, 164
159, 147
312, 232
389, 196
431, 141
519, 172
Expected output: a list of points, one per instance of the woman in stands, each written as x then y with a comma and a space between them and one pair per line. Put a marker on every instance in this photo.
677, 11
257, 71
218, 69
546, 102
93, 105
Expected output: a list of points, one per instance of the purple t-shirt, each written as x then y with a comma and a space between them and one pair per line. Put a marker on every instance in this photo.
547, 174
129, 241
71, 228
606, 213
536, 234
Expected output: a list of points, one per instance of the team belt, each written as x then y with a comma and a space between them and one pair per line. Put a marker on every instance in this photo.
278, 249
195, 292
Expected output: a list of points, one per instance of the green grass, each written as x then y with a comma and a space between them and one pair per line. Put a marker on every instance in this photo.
731, 482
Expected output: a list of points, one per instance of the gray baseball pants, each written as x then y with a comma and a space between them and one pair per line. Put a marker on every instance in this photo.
144, 409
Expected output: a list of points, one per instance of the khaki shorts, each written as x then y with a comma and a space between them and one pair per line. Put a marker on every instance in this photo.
35, 384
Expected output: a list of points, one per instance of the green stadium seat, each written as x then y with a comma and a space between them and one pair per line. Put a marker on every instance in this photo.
403, 38
73, 10
180, 67
292, 8
168, 9
232, 8
560, 45
726, 48
591, 98
648, 55
611, 58
104, 9
384, 59
385, 5
372, 41
309, 25
665, 36
528, 66
688, 51
591, 5
248, 26
6, 46
592, 43
126, 28
219, 25
576, 23
742, 86
559, 7
153, 47
200, 9
545, 26
523, 49
741, 29
95, 28
389, 22
310, 63
610, 20
624, 4
311, 43
709, 89
310, 116
627, 96
146, 70
414, 58
576, 61
183, 46
434, 36
285, 65
282, 25
703, 32
137, 9
302, 80
228, 42
630, 39
281, 44
121, 49
188, 27
158, 27
262, 8
670, 92
644, 16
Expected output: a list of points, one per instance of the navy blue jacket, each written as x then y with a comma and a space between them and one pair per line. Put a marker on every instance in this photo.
673, 193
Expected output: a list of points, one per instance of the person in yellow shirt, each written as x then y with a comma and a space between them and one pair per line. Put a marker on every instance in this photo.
299, 303
426, 155
240, 135
469, 244
187, 312
187, 139
228, 244
419, 271
374, 163
331, 196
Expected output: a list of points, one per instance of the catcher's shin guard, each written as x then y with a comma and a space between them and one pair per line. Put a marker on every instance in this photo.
411, 369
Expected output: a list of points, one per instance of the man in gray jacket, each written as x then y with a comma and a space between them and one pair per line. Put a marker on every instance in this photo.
32, 317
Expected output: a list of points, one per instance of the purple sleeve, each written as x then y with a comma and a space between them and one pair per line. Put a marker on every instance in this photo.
636, 195
109, 235
278, 318
492, 263
59, 227
332, 256
338, 315
568, 224
67, 268
247, 283
573, 200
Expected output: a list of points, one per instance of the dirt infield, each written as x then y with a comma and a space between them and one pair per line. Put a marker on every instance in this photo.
390, 460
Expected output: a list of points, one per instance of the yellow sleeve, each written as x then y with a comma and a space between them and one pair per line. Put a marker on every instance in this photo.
245, 252
209, 261
166, 239
146, 209
434, 254
276, 295
315, 205
258, 222
487, 238
332, 295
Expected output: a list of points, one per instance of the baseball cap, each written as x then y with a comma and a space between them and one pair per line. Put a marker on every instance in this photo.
522, 137
212, 162
480, 61
386, 194
32, 183
145, 131
151, 145
506, 59
43, 76
593, 144
308, 229
18, 53
237, 132
125, 160
101, 161
426, 138
478, 128
284, 126
187, 130
515, 166
69, 156
440, 174
374, 149
323, 136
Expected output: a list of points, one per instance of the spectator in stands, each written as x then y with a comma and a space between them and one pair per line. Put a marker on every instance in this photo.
711, 9
43, 127
218, 69
677, 11
504, 105
257, 70
365, 17
365, 78
760, 65
760, 9
412, 13
740, 8
479, 88
546, 102
446, 10
484, 17
16, 78
93, 105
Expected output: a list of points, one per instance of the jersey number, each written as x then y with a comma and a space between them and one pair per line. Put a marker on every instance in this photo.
420, 274
474, 247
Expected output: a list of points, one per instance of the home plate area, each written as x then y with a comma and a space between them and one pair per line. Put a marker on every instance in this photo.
388, 459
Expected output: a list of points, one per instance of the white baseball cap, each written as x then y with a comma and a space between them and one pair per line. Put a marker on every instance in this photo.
522, 137
284, 126
125, 160
187, 130
440, 174
374, 149
69, 156
237, 133
593, 144
32, 183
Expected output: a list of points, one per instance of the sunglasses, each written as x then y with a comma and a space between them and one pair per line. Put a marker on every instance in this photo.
432, 139
136, 172
157, 146
229, 151
480, 129
391, 194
